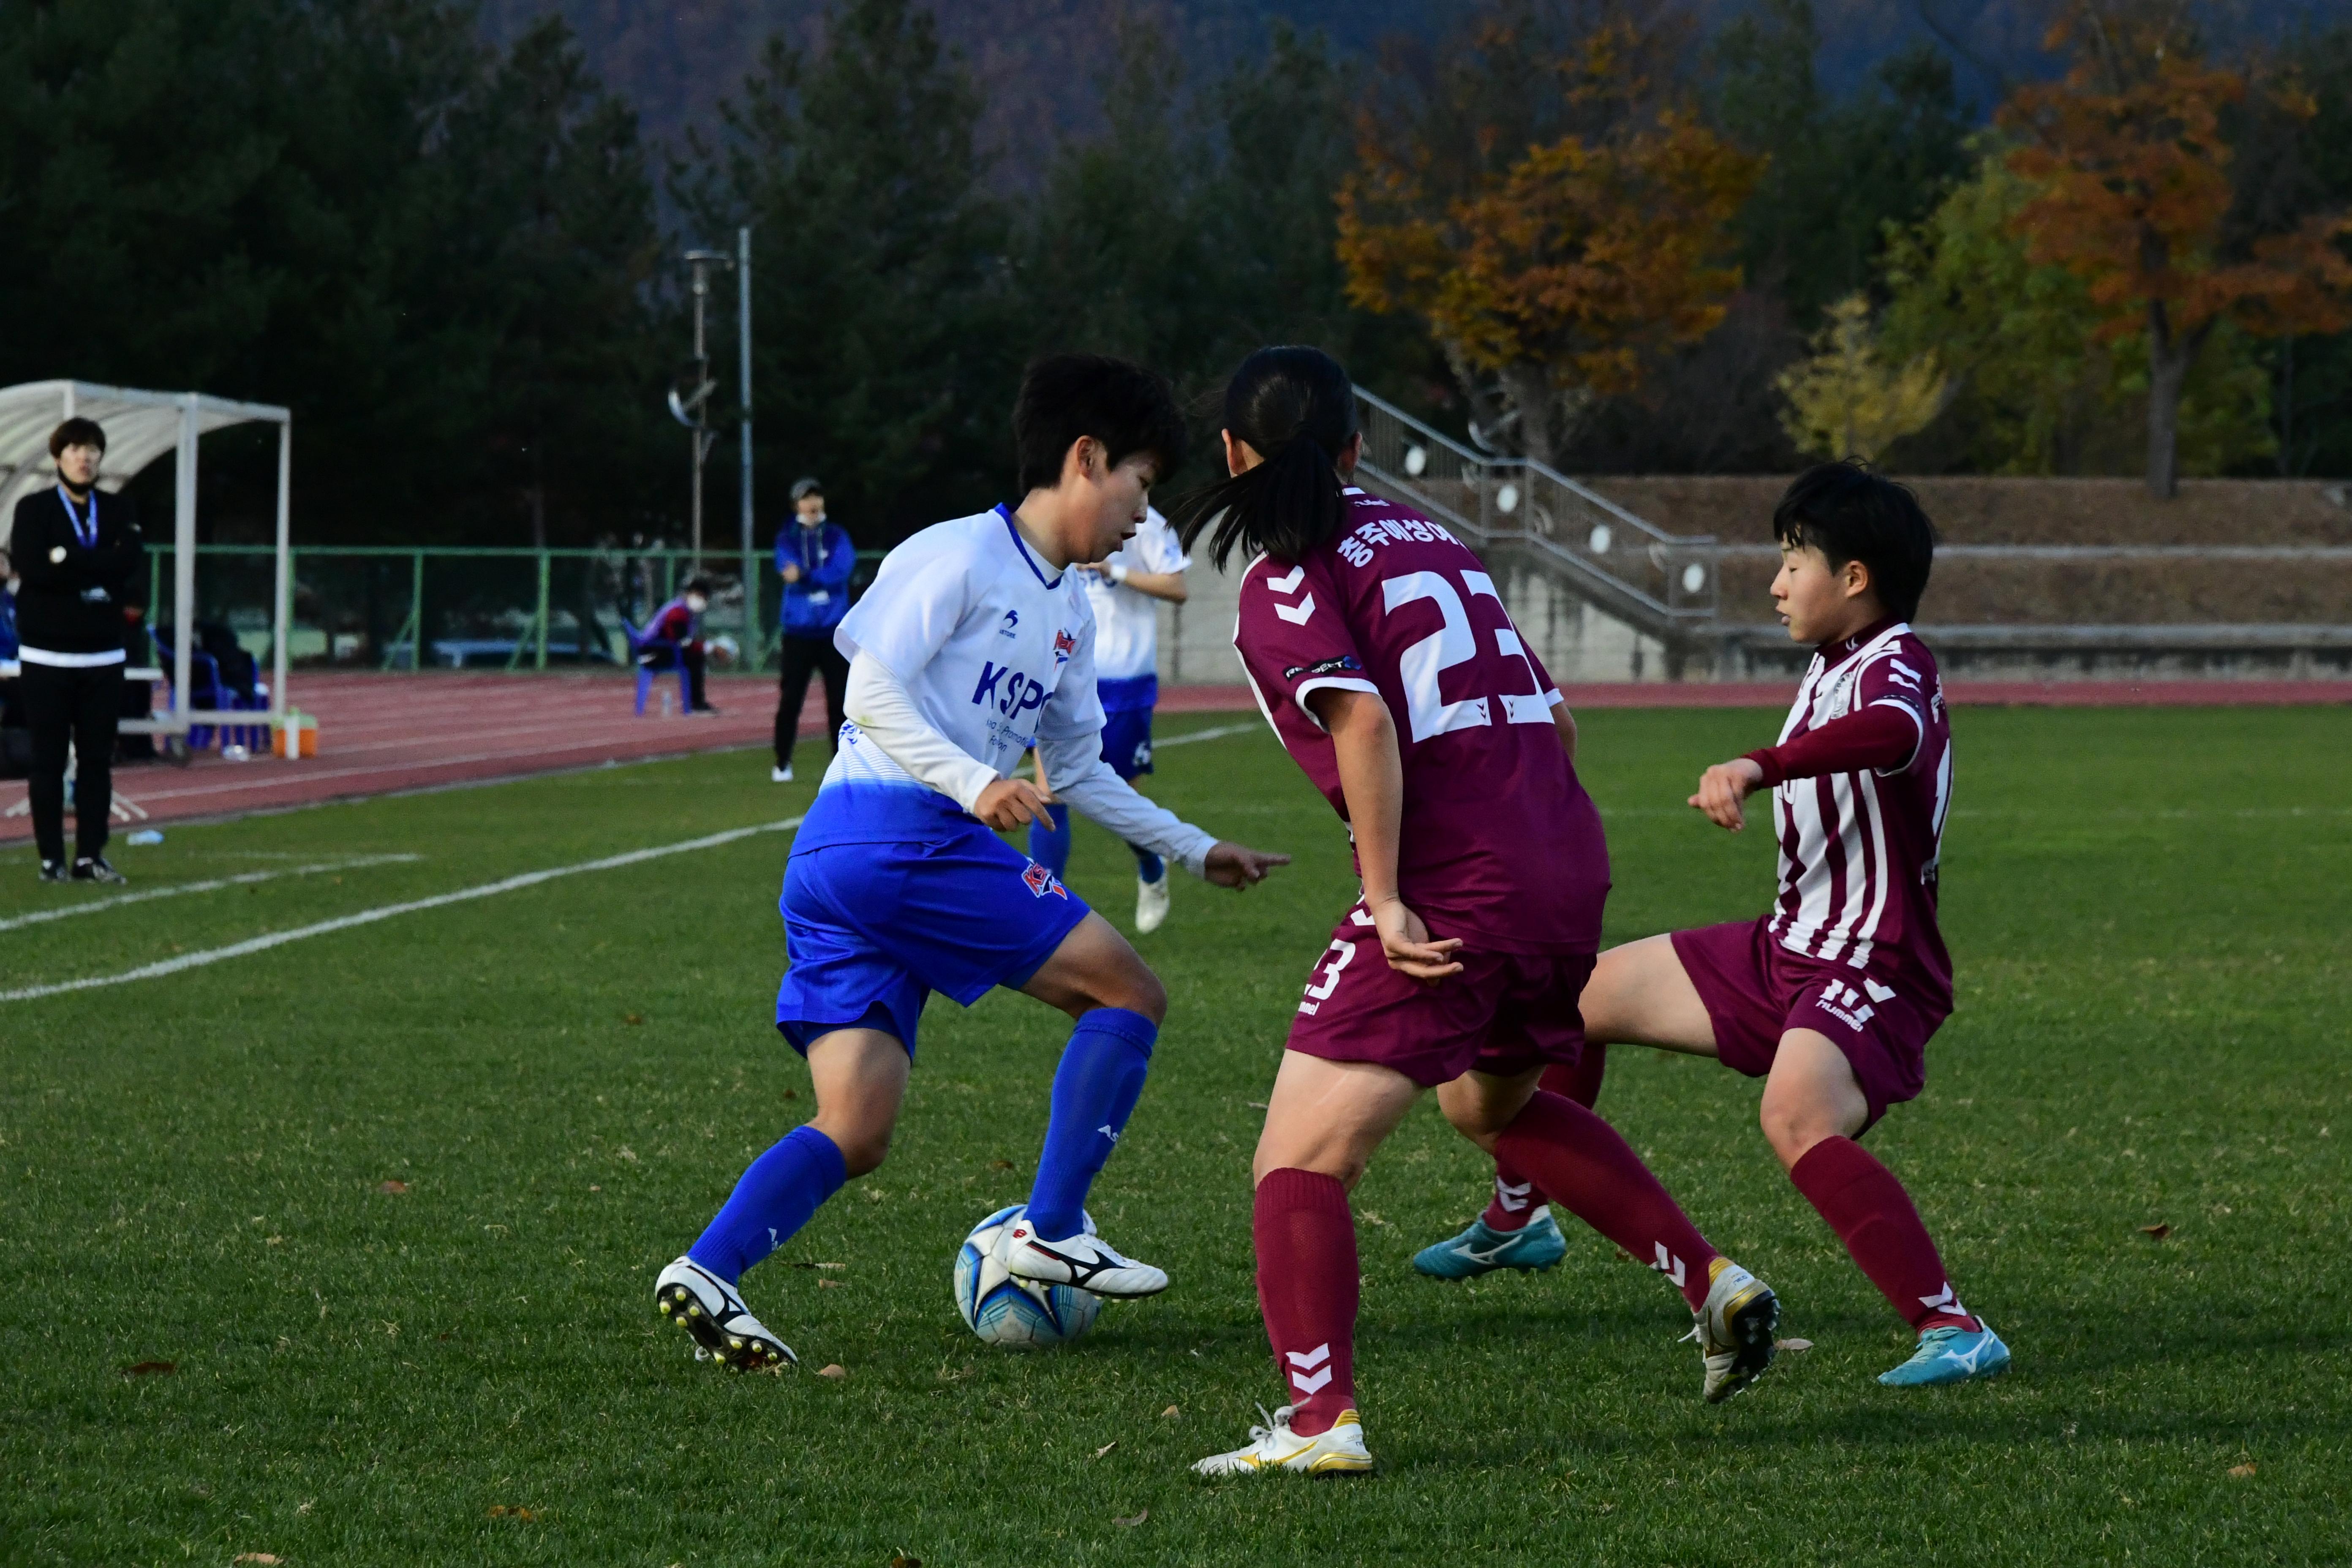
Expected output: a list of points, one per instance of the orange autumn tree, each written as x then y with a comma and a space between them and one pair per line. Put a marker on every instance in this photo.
2151, 189
1558, 266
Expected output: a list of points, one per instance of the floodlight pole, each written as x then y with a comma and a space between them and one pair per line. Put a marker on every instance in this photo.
754, 635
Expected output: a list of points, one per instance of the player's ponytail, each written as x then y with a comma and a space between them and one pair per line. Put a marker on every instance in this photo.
1296, 409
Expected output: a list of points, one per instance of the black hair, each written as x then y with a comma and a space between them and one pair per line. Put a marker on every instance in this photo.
1297, 408
1848, 511
76, 432
698, 583
1123, 405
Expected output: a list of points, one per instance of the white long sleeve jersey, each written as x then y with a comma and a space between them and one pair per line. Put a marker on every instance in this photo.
965, 652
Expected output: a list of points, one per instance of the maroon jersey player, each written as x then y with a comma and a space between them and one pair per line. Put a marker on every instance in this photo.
1381, 652
1830, 996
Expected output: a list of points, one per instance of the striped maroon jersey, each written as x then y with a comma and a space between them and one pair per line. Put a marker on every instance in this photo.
1859, 850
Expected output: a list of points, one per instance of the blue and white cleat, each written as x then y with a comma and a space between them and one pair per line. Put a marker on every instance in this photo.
1480, 1250
1952, 1354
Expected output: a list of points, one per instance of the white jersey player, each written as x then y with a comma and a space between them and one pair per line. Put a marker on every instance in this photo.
974, 643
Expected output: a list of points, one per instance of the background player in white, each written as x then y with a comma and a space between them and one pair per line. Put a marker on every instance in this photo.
974, 643
1125, 591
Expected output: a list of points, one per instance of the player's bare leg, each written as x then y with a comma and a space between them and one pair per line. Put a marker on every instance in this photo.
1813, 1107
860, 1078
1637, 994
1323, 1120
1098, 978
1582, 1162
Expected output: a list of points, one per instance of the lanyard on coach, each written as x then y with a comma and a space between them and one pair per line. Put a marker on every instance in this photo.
87, 537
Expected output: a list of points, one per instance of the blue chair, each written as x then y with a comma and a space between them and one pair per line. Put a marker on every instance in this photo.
644, 649
208, 694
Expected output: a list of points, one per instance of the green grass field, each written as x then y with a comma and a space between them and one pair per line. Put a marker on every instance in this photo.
2148, 914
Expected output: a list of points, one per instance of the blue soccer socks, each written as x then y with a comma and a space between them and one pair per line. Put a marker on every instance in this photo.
1049, 840
775, 1197
1094, 1091
1148, 868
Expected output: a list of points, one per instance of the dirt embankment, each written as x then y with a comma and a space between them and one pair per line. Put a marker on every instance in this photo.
1737, 508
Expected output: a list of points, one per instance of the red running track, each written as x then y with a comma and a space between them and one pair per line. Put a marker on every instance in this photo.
381, 733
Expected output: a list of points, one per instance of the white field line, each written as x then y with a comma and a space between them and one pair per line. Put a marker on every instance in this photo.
148, 895
385, 912
1218, 733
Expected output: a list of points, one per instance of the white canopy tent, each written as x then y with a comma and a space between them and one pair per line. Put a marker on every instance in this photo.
141, 427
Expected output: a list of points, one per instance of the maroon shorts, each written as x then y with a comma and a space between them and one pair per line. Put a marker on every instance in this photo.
1505, 1012
1756, 991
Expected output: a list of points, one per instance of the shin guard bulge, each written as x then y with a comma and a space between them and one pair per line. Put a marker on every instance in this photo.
1581, 1162
1094, 1090
1874, 1217
1307, 1286
774, 1199
1515, 1197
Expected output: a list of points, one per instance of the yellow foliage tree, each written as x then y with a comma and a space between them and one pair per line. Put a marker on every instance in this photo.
1846, 401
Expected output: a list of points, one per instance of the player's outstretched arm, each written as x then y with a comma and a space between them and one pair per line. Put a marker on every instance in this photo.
1724, 789
1099, 794
1371, 779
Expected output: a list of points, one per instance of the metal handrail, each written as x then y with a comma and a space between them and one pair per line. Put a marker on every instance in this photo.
1666, 581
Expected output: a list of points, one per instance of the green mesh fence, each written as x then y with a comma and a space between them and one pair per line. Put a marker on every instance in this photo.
384, 608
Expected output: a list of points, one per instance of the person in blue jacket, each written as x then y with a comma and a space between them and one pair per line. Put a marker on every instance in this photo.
814, 558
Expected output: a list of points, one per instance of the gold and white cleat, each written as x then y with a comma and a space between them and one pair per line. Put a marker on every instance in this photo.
1735, 1329
724, 1330
1274, 1446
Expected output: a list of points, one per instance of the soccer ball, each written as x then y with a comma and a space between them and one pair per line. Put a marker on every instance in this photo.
1016, 1314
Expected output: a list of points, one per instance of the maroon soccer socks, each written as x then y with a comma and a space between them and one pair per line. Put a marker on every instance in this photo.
1874, 1217
1515, 1197
1583, 1165
1307, 1286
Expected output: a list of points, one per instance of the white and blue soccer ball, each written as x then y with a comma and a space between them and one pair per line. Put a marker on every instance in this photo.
1015, 1314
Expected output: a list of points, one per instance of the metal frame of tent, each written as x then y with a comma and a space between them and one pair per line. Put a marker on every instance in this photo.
141, 427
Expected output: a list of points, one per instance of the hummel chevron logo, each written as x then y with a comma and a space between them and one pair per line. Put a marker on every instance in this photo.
1296, 615
1312, 1358
1670, 1266
1878, 992
1287, 584
1513, 1199
1947, 1300
1304, 1362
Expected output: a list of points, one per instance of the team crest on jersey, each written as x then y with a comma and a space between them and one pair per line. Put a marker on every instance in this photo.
1041, 881
1064, 645
1012, 626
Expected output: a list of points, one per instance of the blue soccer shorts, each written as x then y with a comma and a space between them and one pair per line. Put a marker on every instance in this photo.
872, 929
1127, 723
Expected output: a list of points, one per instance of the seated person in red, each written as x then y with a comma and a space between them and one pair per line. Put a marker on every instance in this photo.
674, 634
1832, 996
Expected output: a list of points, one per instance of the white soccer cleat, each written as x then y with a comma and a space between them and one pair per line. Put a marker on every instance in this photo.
1274, 1446
779, 775
1152, 903
1084, 1260
724, 1330
1735, 1329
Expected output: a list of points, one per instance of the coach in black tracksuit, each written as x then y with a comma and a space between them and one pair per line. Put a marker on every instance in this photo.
81, 560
